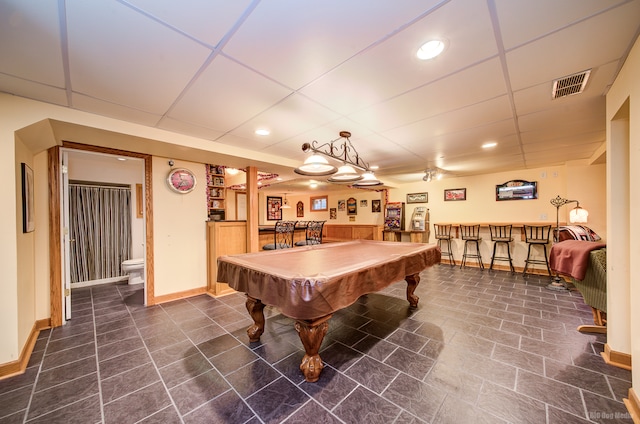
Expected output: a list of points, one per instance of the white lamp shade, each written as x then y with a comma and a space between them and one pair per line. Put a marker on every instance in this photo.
345, 174
315, 165
368, 180
578, 216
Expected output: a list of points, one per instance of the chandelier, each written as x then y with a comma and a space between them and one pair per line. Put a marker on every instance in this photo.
340, 150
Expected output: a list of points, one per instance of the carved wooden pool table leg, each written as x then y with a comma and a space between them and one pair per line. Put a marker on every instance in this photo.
311, 334
256, 310
412, 283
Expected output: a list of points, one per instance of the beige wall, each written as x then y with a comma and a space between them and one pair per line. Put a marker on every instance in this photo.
179, 233
42, 283
623, 198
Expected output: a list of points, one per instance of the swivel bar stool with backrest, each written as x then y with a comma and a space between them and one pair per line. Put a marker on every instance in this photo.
313, 234
537, 235
282, 236
501, 234
471, 235
443, 233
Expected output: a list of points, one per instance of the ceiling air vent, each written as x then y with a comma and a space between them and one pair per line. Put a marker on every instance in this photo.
569, 85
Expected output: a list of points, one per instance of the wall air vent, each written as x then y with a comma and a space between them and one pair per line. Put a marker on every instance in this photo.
570, 85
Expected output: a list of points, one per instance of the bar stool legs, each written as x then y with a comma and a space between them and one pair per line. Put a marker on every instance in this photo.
502, 258
536, 261
443, 233
476, 255
501, 234
447, 252
537, 236
471, 235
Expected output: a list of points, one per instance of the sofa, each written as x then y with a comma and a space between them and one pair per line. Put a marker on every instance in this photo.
594, 290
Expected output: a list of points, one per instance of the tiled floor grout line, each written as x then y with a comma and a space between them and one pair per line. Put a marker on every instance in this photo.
35, 382
95, 340
164, 384
231, 388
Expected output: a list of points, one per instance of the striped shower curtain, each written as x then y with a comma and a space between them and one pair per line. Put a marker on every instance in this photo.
100, 227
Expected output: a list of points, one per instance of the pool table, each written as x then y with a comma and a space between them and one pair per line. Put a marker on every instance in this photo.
310, 283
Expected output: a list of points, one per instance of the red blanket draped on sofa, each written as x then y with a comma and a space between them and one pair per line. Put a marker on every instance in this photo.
571, 257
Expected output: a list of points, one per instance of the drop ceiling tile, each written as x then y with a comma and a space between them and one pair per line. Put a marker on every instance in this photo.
226, 95
474, 85
33, 90
315, 35
182, 127
213, 20
142, 64
355, 84
494, 110
565, 153
292, 116
574, 122
521, 21
538, 98
29, 38
100, 107
574, 49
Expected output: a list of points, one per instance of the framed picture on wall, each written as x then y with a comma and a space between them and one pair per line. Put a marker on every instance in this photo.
342, 205
417, 198
299, 209
352, 206
28, 218
274, 211
333, 214
375, 206
453, 194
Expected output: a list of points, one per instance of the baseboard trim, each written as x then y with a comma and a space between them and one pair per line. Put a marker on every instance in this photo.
179, 295
18, 366
617, 359
633, 405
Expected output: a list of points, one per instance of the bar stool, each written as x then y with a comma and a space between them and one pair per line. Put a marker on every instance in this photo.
501, 234
443, 233
537, 235
282, 236
471, 235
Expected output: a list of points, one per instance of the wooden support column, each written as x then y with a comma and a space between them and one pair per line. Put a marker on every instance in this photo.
253, 237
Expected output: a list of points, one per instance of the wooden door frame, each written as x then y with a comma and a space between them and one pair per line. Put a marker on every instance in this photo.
55, 236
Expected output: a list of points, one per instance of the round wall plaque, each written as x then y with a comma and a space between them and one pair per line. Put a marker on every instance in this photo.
181, 180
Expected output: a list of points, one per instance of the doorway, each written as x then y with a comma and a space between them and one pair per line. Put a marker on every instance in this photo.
59, 292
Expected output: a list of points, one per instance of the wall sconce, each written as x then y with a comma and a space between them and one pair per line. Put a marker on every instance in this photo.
577, 215
343, 151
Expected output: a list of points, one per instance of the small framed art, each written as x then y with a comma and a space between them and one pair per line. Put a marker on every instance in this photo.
453, 194
418, 198
274, 211
28, 218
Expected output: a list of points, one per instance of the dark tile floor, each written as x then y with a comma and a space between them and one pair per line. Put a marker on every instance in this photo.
482, 347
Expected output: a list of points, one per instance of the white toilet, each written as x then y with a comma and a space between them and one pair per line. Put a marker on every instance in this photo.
135, 269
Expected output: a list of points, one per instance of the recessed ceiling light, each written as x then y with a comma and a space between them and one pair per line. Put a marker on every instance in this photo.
123, 159
430, 49
313, 185
262, 131
374, 167
489, 145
